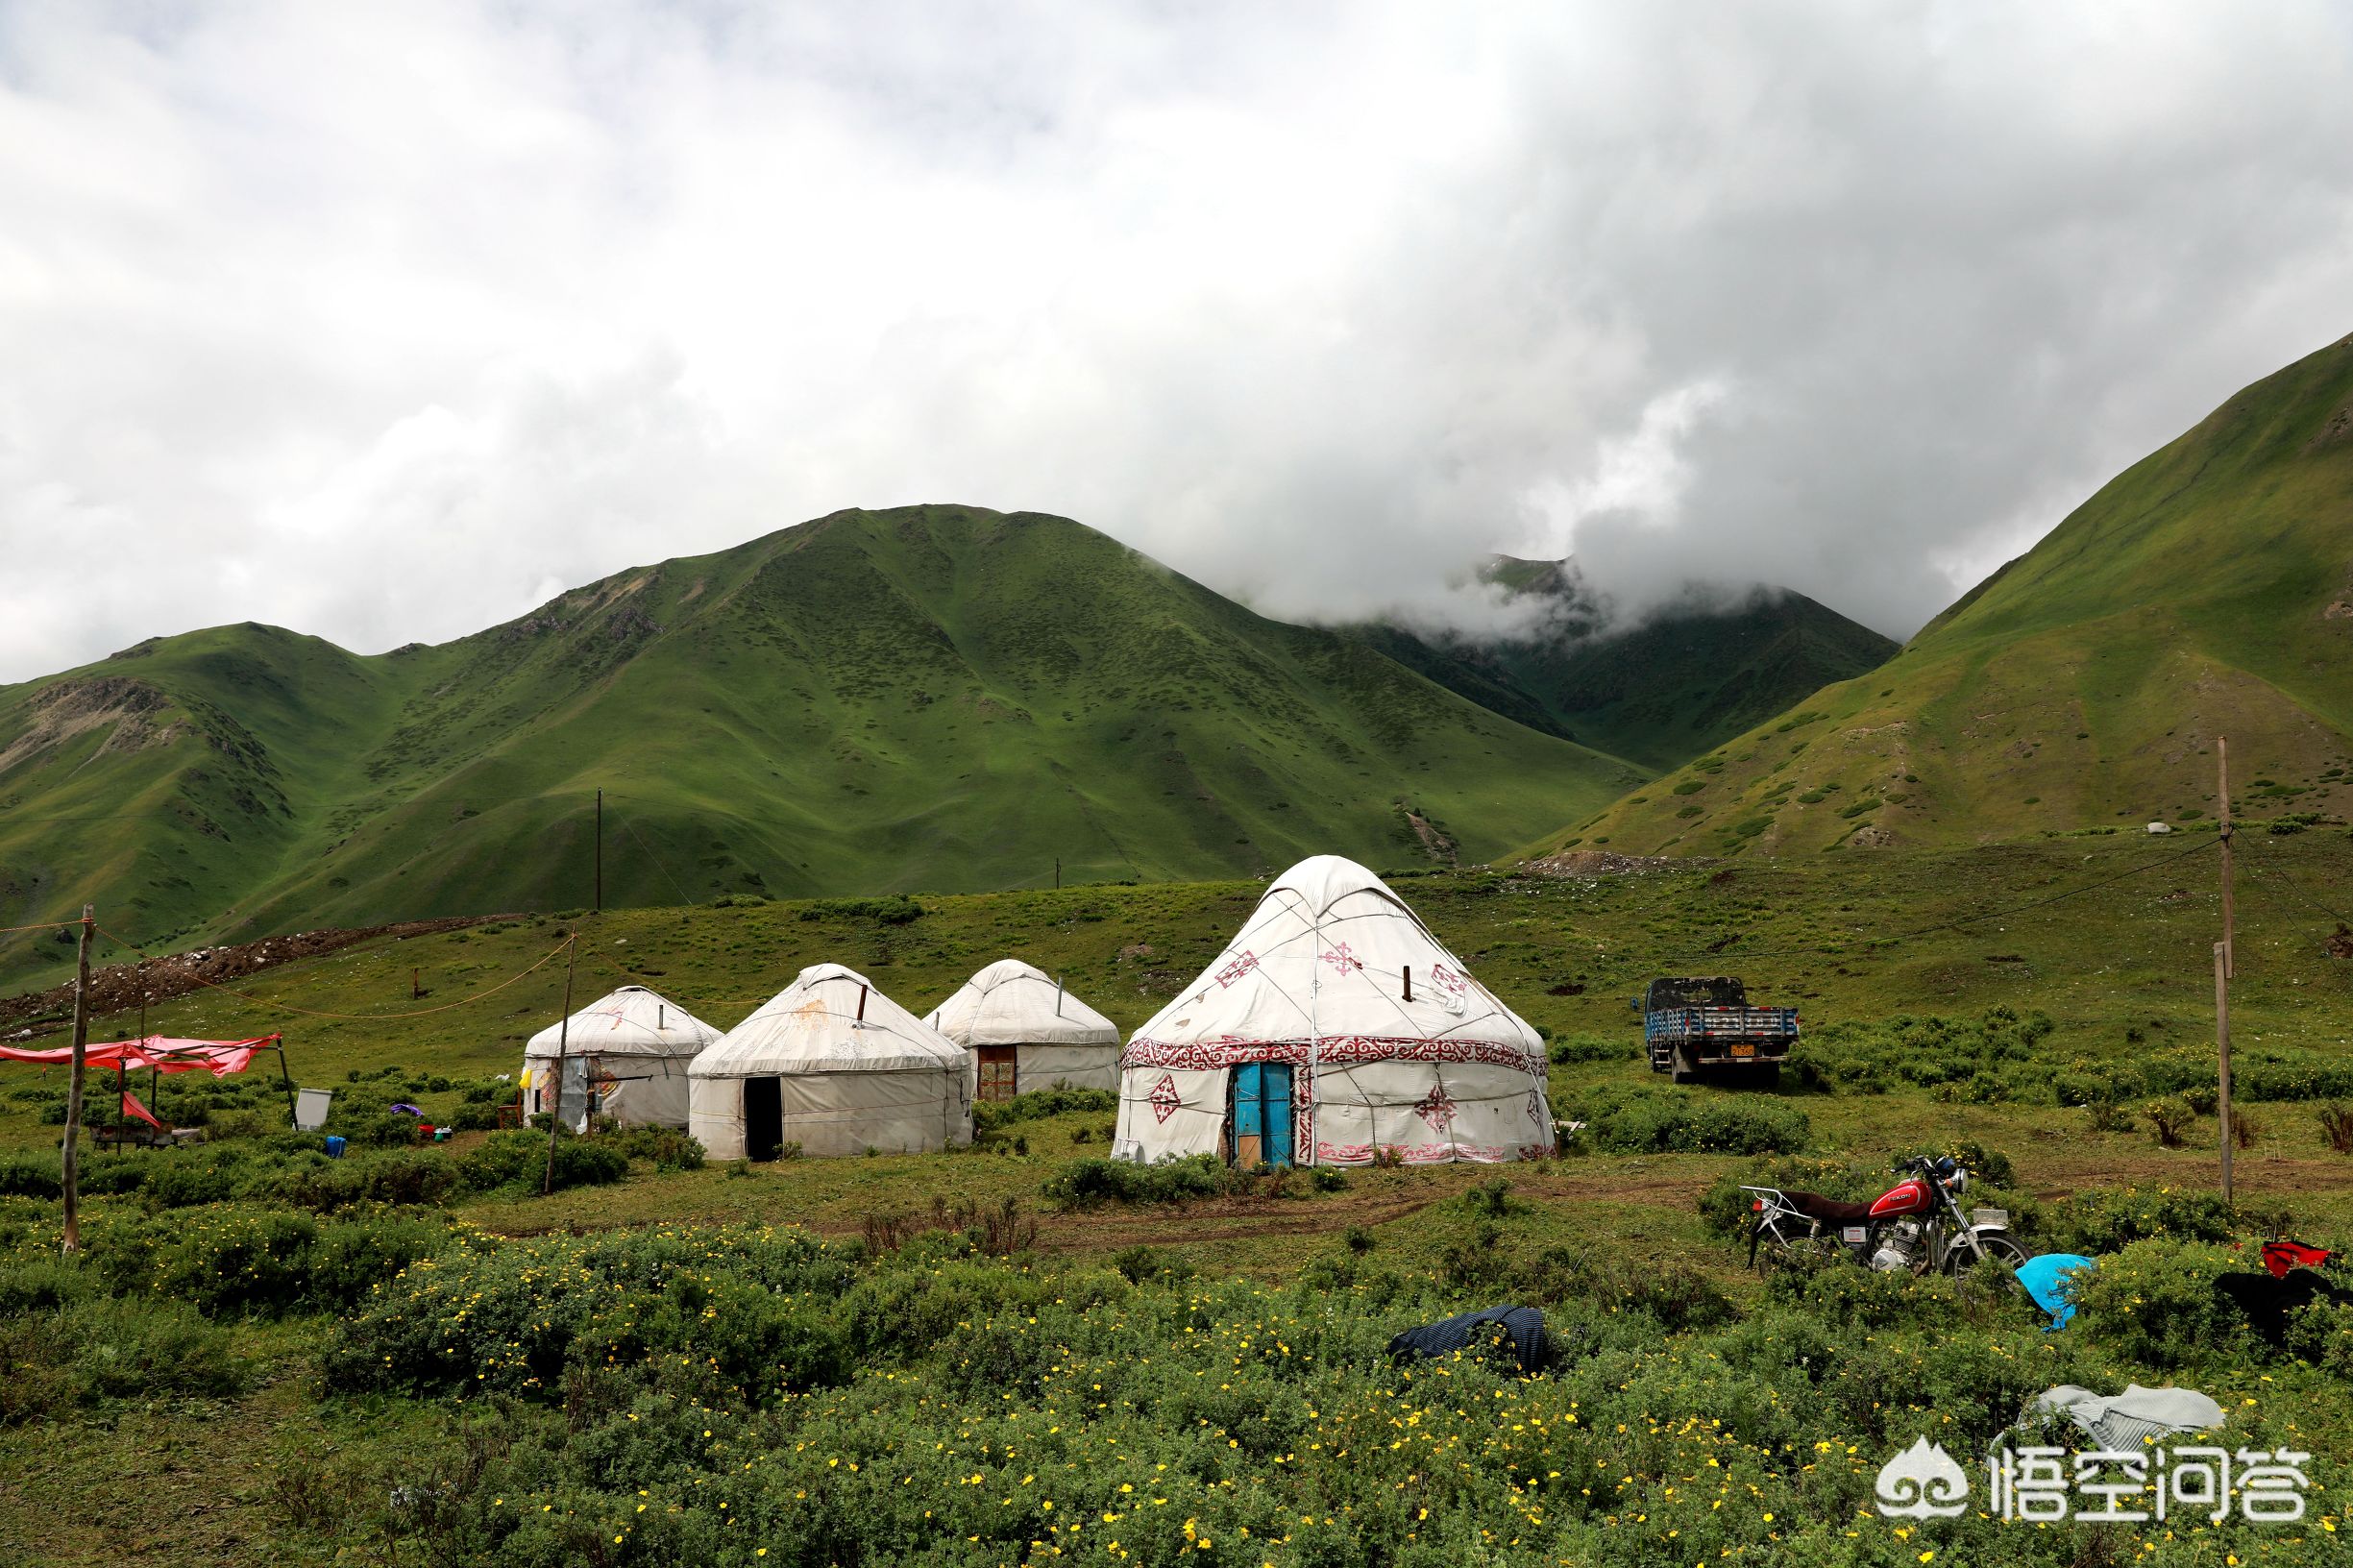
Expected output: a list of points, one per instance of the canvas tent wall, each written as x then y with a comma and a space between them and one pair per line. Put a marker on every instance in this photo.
831, 1063
636, 1043
1333, 1027
1024, 1031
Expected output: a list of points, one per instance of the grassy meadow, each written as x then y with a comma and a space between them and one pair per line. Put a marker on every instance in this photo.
410, 1356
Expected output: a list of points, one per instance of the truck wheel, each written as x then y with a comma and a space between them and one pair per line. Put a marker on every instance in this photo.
1684, 1072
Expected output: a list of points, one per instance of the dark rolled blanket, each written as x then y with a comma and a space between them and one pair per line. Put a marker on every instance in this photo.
1520, 1329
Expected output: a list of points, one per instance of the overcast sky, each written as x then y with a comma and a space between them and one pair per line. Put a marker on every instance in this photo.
385, 322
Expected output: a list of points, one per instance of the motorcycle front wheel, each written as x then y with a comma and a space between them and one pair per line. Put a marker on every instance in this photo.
1996, 1245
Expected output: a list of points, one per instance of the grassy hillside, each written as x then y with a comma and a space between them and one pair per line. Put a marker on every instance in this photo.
2206, 592
934, 698
486, 1374
2122, 970
1659, 693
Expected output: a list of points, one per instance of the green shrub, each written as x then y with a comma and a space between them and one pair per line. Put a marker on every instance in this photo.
1571, 1050
228, 1259
396, 1177
1038, 1104
1679, 1297
1656, 1121
760, 1311
31, 1176
664, 1148
93, 1349
2321, 1332
2106, 1220
1139, 1265
1492, 1199
896, 910
1090, 1184
2155, 1302
517, 1161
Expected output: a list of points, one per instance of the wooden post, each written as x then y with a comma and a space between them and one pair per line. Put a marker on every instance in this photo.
2225, 966
2230, 951
1058, 871
416, 984
563, 1042
2221, 1035
599, 903
155, 1075
70, 1157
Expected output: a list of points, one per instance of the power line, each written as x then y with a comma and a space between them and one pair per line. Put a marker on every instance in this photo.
356, 1017
2266, 873
683, 895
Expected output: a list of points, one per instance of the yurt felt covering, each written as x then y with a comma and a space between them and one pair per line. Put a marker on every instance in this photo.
843, 1083
1056, 1038
1390, 1044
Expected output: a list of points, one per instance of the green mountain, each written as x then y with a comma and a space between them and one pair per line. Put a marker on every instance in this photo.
2204, 593
1659, 693
931, 697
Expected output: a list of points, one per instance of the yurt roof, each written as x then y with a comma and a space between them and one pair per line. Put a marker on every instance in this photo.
1328, 955
1013, 1003
630, 1022
813, 1025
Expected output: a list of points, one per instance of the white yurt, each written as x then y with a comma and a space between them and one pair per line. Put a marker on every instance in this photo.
1333, 1028
633, 1046
1024, 1032
831, 1063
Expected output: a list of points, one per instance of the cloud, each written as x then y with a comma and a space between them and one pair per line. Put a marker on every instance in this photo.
375, 321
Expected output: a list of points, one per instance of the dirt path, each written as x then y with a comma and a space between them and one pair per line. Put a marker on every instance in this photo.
118, 988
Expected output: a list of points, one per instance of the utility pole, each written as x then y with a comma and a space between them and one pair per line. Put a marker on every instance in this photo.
2224, 967
600, 904
70, 1157
563, 1042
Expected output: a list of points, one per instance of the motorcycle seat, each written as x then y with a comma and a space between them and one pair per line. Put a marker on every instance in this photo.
1829, 1211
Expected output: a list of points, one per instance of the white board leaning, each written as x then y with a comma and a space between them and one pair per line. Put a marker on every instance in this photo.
832, 1065
1332, 1030
1025, 1032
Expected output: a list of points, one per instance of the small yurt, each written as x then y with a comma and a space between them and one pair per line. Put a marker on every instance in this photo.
1333, 1028
634, 1045
1025, 1032
831, 1063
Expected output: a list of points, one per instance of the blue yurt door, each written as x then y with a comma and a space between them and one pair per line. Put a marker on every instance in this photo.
1263, 1114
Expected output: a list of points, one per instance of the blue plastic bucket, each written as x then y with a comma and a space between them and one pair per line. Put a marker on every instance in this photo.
334, 1146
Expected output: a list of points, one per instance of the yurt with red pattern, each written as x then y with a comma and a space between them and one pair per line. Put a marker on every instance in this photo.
1332, 1030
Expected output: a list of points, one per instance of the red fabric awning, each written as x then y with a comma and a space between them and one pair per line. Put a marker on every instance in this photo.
133, 1108
162, 1052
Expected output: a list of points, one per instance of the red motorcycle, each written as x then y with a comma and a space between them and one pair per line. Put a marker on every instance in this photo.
1917, 1225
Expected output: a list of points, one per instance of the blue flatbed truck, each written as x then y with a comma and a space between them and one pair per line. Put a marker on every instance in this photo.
1706, 1028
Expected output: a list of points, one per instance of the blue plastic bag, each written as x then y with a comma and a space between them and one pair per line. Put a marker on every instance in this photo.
2046, 1279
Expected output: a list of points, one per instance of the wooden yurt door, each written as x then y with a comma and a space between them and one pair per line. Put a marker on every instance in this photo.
997, 1078
1261, 1114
